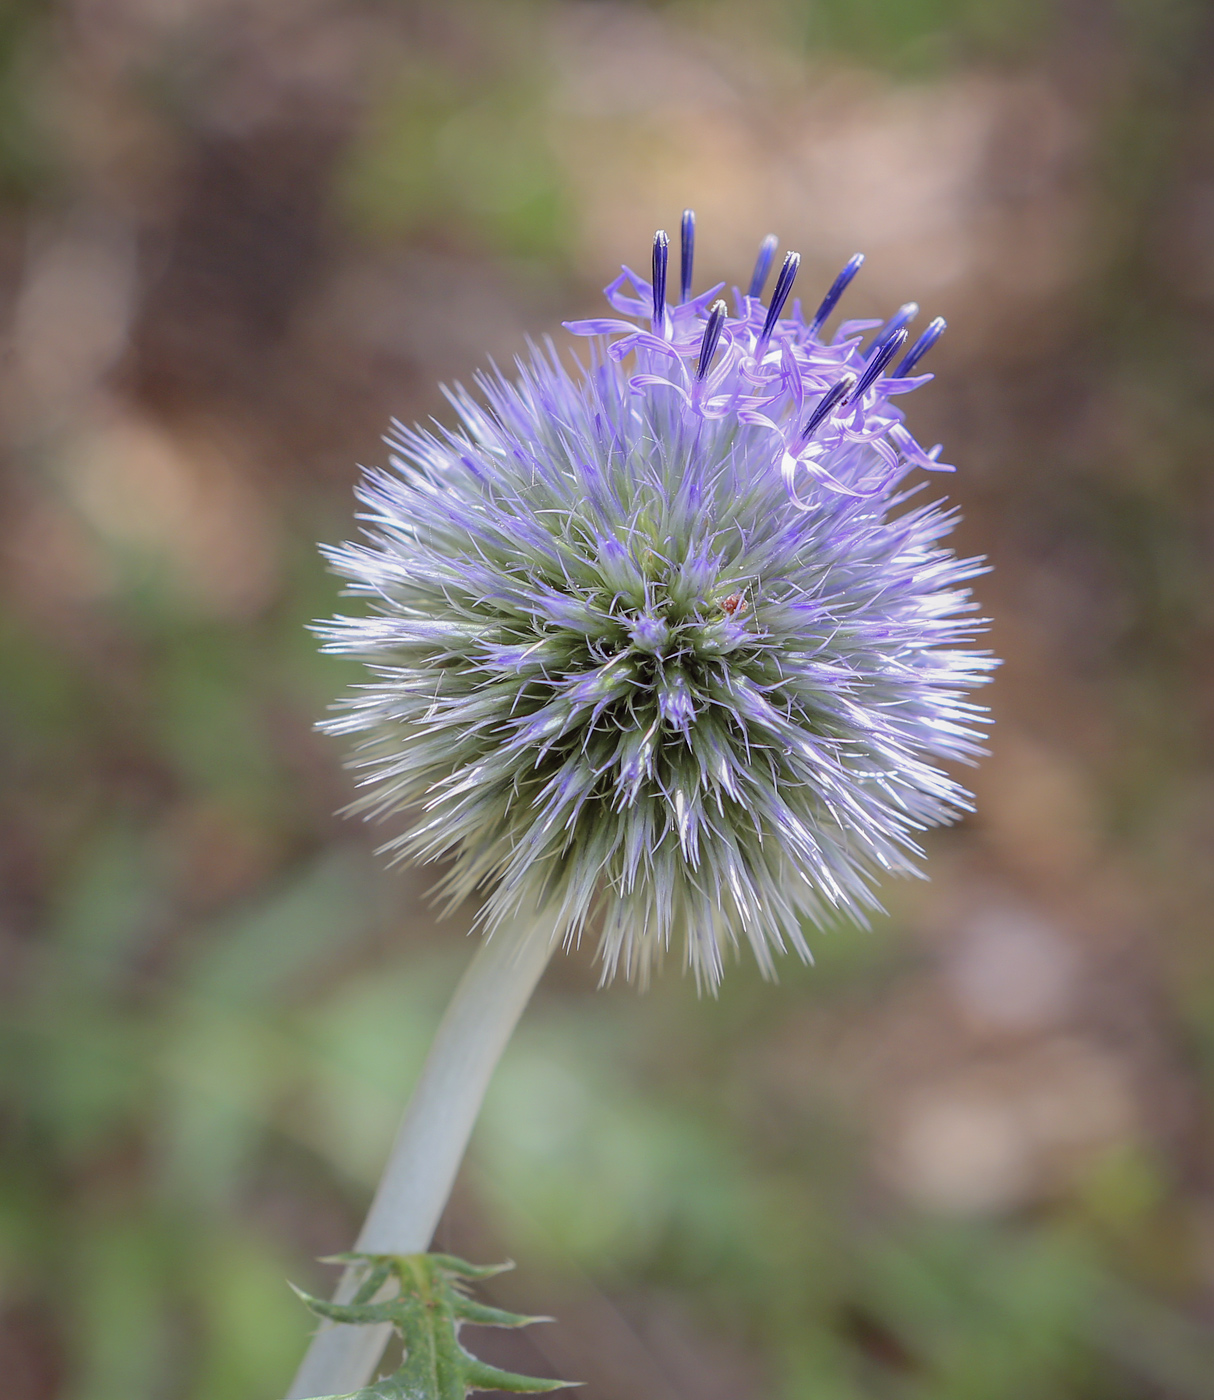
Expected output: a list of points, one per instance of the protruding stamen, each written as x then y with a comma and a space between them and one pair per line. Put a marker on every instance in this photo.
877, 365
767, 254
788, 275
891, 328
687, 248
661, 256
920, 348
712, 334
833, 397
837, 288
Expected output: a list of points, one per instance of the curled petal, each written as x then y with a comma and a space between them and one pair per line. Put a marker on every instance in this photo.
603, 325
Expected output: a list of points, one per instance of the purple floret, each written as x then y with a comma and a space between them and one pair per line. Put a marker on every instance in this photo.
662, 643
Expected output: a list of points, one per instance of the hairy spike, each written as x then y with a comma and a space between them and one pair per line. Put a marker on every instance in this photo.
833, 397
932, 333
788, 275
903, 316
837, 288
687, 251
661, 259
767, 254
712, 334
879, 363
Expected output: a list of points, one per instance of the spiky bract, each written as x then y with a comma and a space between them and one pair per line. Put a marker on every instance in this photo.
655, 643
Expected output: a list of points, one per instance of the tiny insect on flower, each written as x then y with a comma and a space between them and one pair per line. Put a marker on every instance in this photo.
662, 641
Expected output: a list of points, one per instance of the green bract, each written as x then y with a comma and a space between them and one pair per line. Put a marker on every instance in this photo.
428, 1310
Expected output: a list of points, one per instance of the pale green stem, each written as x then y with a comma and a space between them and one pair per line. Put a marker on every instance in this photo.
428, 1149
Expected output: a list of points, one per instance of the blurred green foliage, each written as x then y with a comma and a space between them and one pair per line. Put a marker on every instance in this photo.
439, 151
767, 1227
919, 36
24, 141
460, 143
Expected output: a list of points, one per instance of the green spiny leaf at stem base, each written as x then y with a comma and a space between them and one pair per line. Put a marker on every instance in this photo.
428, 1308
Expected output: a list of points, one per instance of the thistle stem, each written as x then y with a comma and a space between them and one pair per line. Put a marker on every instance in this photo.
433, 1134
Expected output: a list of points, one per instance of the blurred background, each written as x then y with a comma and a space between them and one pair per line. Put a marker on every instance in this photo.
968, 1156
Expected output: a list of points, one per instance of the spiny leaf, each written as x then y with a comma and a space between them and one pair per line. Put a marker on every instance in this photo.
428, 1308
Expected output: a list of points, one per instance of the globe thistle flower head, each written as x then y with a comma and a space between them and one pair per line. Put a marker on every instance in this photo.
663, 642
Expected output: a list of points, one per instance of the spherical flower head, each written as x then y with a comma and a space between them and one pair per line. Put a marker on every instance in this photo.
662, 643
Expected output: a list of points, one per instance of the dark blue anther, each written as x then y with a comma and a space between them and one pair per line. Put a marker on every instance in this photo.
767, 254
661, 256
833, 397
879, 362
891, 328
688, 250
837, 288
712, 334
788, 275
920, 348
